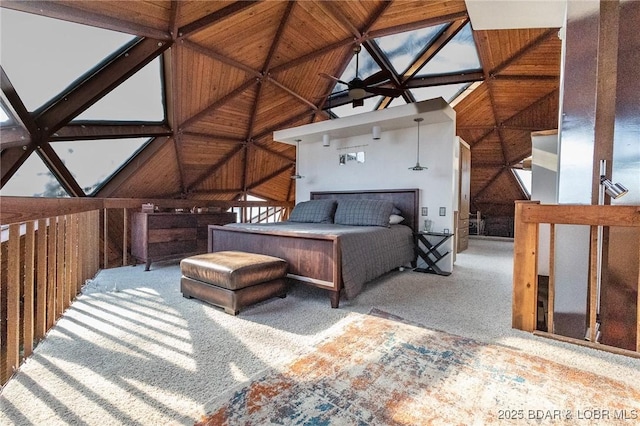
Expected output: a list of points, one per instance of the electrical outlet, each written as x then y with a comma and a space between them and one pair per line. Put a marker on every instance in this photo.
443, 211
425, 211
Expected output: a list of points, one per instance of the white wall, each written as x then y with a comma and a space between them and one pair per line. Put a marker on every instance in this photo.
386, 166
544, 186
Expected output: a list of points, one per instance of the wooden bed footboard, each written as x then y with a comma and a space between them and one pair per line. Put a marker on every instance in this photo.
313, 259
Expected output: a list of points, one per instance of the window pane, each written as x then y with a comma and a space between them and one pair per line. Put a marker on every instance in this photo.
92, 162
402, 49
4, 117
524, 176
33, 179
459, 54
448, 92
43, 56
138, 98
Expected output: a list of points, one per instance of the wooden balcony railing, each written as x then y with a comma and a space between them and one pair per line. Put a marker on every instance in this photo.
528, 217
51, 246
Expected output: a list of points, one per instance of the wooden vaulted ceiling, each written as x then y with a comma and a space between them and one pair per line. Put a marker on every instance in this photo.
236, 71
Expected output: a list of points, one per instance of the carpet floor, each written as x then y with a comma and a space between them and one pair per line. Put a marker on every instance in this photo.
378, 371
131, 350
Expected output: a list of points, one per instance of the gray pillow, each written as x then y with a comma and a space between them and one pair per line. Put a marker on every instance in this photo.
313, 211
363, 212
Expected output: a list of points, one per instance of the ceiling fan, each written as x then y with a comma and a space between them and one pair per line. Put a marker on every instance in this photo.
358, 88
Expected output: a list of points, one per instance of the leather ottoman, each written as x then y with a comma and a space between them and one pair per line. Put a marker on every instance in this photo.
233, 279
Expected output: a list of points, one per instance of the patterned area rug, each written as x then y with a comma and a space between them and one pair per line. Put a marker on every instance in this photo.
380, 370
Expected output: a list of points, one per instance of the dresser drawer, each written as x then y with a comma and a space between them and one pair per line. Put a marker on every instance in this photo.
171, 221
171, 249
171, 234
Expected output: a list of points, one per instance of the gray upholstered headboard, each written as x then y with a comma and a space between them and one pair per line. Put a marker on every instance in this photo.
406, 200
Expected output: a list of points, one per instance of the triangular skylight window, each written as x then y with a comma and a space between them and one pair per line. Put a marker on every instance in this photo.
137, 98
92, 163
403, 49
4, 117
448, 92
43, 56
33, 179
459, 54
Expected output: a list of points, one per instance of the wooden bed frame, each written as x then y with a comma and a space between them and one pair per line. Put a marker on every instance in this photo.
313, 259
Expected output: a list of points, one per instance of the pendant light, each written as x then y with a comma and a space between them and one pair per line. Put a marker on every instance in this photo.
418, 167
297, 176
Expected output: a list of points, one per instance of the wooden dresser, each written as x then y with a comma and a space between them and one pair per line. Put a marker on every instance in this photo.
160, 236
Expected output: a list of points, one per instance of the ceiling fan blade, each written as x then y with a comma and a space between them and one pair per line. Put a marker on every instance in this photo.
384, 91
376, 78
330, 77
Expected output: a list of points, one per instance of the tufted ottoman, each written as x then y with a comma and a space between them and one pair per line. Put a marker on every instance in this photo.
233, 279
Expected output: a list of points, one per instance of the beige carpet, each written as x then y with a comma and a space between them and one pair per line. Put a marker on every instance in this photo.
131, 350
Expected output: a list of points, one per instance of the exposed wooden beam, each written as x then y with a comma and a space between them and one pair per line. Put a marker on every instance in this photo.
383, 62
254, 112
96, 83
109, 130
173, 18
213, 137
418, 24
215, 167
523, 51
270, 176
12, 136
282, 124
10, 161
274, 153
477, 195
443, 79
308, 57
218, 103
494, 108
67, 12
292, 93
15, 107
60, 170
343, 20
109, 187
213, 17
219, 57
278, 37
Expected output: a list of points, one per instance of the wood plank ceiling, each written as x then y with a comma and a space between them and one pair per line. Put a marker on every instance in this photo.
237, 71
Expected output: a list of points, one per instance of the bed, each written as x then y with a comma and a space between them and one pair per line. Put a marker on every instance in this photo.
339, 257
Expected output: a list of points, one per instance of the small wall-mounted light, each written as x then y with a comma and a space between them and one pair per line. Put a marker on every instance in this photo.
326, 140
613, 190
376, 131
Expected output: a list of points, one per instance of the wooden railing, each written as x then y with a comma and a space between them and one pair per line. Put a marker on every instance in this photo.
528, 217
45, 262
51, 246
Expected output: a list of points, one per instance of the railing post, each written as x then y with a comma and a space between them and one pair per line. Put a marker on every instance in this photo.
525, 270
125, 232
13, 300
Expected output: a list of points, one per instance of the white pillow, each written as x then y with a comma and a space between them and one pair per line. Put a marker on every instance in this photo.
395, 219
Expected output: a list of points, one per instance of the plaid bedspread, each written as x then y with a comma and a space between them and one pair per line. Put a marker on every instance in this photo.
367, 251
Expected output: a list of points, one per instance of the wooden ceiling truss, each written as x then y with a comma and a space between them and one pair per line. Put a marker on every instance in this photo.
234, 72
